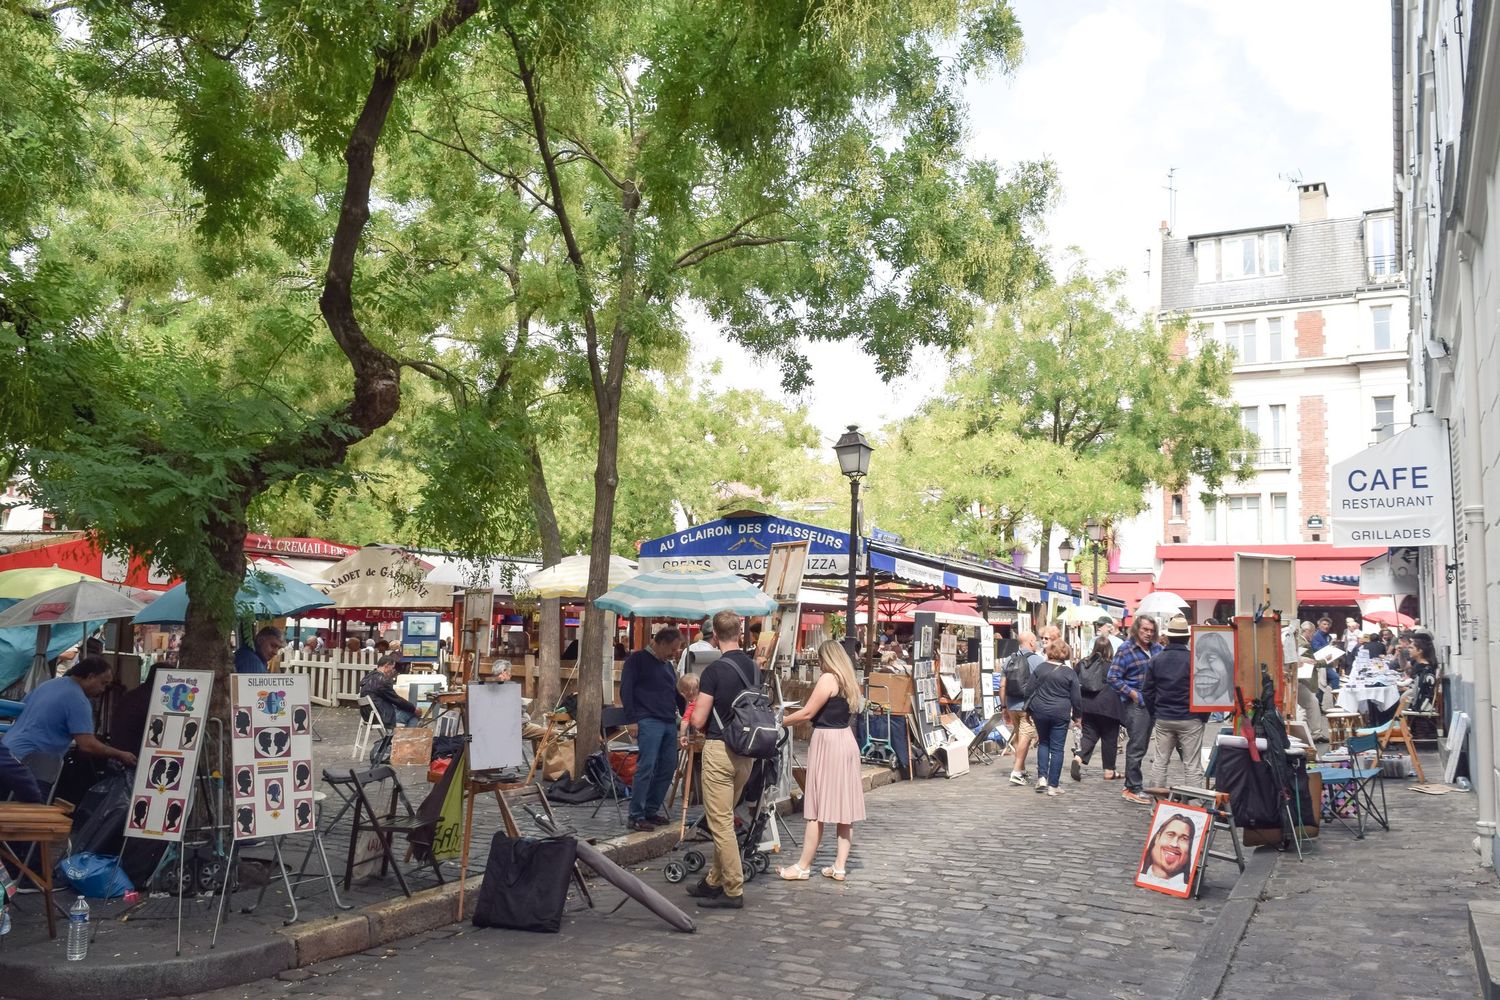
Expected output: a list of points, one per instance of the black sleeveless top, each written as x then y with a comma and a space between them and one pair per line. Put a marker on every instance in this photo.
833, 715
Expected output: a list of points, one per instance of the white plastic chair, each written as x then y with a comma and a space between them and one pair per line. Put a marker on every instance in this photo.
369, 725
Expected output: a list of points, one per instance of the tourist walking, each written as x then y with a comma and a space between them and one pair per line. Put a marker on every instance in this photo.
1052, 699
835, 789
724, 771
1102, 711
1126, 674
1013, 680
1167, 693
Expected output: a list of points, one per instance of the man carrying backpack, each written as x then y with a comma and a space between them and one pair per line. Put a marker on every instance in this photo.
1013, 681
724, 772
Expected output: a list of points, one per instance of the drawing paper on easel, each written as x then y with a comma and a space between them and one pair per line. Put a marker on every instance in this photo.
271, 756
494, 726
168, 761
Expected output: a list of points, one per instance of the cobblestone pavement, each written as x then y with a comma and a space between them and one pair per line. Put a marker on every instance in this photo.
961, 888
1381, 917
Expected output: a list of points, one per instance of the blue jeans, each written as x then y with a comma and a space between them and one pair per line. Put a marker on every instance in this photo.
1051, 738
17, 778
405, 718
657, 740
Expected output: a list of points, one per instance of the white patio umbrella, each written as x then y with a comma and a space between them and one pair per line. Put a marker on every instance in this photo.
1083, 614
80, 601
686, 595
570, 577
1160, 602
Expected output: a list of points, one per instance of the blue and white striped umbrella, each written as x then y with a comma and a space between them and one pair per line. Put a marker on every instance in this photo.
685, 595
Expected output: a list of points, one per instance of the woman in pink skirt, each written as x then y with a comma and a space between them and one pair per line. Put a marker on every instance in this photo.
835, 793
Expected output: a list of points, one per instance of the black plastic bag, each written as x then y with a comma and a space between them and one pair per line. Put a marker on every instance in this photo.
525, 883
99, 820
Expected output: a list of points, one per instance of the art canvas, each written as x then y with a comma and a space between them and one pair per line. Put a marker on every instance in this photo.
271, 756
1211, 654
1178, 837
168, 759
1257, 656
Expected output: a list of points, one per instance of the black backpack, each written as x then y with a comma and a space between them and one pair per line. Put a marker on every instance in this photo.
1093, 674
748, 724
1017, 675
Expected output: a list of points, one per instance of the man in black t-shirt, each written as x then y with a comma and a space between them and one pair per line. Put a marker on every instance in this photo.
724, 772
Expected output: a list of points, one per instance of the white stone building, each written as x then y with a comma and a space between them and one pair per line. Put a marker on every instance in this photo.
1316, 310
1447, 125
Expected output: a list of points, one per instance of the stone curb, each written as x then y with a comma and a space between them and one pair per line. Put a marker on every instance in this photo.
1211, 965
304, 943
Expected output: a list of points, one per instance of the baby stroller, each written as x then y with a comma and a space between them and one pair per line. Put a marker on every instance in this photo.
755, 835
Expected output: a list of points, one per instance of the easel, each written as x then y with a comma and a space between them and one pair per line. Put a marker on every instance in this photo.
1217, 804
522, 794
687, 761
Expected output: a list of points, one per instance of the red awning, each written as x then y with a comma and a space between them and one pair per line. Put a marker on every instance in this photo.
1206, 572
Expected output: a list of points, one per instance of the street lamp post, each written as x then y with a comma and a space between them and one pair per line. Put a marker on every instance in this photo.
854, 461
1096, 535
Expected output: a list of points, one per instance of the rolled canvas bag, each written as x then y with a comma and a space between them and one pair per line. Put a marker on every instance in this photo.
526, 883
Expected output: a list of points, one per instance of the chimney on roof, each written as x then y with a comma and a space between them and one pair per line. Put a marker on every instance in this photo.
1312, 202
1166, 230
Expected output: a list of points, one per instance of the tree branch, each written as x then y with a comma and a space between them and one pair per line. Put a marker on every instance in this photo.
463, 147
691, 255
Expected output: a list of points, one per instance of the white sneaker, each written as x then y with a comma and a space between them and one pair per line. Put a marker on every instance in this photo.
1017, 778
1054, 791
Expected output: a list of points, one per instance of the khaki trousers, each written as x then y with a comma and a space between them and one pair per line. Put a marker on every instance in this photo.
724, 777
1183, 737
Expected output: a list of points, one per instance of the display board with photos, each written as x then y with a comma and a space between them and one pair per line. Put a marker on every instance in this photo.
419, 636
926, 711
168, 761
988, 703
271, 766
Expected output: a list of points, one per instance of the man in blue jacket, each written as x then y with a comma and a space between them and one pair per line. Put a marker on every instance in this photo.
1167, 691
1126, 675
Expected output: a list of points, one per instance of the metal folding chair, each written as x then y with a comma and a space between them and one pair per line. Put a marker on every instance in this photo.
1363, 781
386, 824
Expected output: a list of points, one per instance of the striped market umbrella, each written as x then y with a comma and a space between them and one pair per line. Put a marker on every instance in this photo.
686, 595
570, 577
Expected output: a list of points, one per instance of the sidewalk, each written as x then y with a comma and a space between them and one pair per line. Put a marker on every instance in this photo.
135, 958
1383, 917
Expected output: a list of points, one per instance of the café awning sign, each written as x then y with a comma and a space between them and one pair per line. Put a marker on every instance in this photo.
1399, 492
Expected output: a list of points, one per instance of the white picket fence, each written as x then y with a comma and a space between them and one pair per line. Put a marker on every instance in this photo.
334, 675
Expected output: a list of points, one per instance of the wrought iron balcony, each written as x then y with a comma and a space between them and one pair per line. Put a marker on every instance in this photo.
1263, 457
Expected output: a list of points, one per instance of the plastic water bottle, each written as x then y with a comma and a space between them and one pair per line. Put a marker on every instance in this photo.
78, 930
4, 921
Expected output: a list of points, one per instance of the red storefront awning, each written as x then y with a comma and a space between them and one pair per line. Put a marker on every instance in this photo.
1206, 572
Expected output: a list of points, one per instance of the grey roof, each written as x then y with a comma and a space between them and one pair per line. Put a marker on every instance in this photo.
1323, 259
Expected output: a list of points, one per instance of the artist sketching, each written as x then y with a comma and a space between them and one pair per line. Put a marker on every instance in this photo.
379, 685
1169, 854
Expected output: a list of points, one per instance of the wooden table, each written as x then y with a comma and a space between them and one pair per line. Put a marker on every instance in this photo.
45, 826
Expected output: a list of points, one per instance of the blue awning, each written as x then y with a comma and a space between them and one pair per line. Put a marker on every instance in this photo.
1340, 579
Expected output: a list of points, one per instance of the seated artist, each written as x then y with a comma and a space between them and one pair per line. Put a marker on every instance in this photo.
54, 716
379, 685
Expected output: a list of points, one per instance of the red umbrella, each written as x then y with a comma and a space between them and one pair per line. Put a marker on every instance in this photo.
951, 612
1395, 619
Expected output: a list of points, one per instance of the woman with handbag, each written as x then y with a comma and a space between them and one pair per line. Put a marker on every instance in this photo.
1053, 699
835, 790
1101, 712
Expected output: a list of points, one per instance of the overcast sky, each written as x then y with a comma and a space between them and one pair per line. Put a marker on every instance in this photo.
1235, 96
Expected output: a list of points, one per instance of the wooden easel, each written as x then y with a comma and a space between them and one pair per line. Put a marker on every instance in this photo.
687, 760
506, 795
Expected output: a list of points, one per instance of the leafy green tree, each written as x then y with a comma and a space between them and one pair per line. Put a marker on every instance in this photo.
794, 171
181, 333
1067, 408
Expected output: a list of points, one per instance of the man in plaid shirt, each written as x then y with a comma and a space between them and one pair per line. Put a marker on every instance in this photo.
1126, 674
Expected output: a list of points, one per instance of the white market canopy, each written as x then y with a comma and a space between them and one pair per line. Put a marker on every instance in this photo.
385, 576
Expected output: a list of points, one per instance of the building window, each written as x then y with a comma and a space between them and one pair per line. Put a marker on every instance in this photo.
1239, 257
1273, 339
1177, 506
1207, 252
1211, 521
1241, 340
1381, 317
1244, 519
1380, 243
1250, 419
1385, 417
1279, 525
1276, 436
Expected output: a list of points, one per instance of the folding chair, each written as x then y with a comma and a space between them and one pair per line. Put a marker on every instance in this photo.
614, 723
388, 824
369, 725
1399, 728
1362, 780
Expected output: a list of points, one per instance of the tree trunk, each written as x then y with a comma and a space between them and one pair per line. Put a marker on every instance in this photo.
549, 639
1045, 555
210, 616
592, 648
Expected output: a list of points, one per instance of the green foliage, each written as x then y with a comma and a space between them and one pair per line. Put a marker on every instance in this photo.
1066, 409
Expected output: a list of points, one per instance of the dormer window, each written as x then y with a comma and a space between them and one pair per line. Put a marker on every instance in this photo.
1230, 258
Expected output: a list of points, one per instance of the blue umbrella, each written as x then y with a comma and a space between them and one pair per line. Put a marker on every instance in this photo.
262, 595
686, 595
